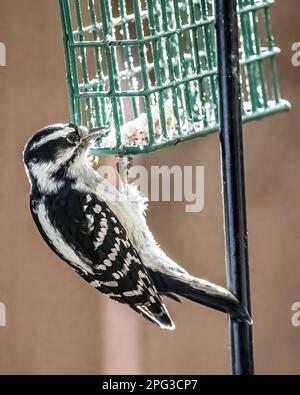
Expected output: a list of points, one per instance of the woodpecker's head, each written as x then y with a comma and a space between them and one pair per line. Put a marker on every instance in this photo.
55, 152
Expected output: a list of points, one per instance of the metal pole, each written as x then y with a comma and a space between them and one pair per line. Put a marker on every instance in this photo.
233, 181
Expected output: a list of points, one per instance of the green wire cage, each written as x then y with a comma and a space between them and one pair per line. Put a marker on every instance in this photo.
149, 67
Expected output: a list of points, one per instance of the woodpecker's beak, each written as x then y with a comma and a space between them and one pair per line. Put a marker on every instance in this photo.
93, 134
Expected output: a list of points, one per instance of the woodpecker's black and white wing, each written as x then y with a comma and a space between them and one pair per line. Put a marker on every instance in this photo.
104, 255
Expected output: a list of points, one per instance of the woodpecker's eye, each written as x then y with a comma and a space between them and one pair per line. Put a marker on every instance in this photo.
73, 138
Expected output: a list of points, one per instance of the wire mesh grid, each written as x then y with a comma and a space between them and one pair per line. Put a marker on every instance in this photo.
148, 67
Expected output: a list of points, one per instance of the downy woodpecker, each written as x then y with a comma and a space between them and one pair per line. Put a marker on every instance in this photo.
104, 239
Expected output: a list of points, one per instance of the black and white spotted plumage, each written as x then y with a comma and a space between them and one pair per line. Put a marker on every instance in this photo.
112, 265
107, 240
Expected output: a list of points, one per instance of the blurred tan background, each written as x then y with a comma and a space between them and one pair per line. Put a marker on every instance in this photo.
56, 324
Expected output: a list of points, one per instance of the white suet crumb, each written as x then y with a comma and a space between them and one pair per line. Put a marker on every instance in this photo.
94, 161
136, 132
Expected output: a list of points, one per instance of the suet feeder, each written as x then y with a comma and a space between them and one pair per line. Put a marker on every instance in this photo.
158, 58
178, 69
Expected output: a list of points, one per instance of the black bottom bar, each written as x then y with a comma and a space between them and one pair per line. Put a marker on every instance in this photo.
135, 384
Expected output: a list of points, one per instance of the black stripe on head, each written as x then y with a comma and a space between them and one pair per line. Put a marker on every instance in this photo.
46, 151
44, 132
73, 126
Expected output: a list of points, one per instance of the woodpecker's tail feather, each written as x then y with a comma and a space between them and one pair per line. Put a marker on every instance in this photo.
201, 291
160, 318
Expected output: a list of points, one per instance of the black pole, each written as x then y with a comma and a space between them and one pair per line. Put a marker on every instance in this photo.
233, 181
